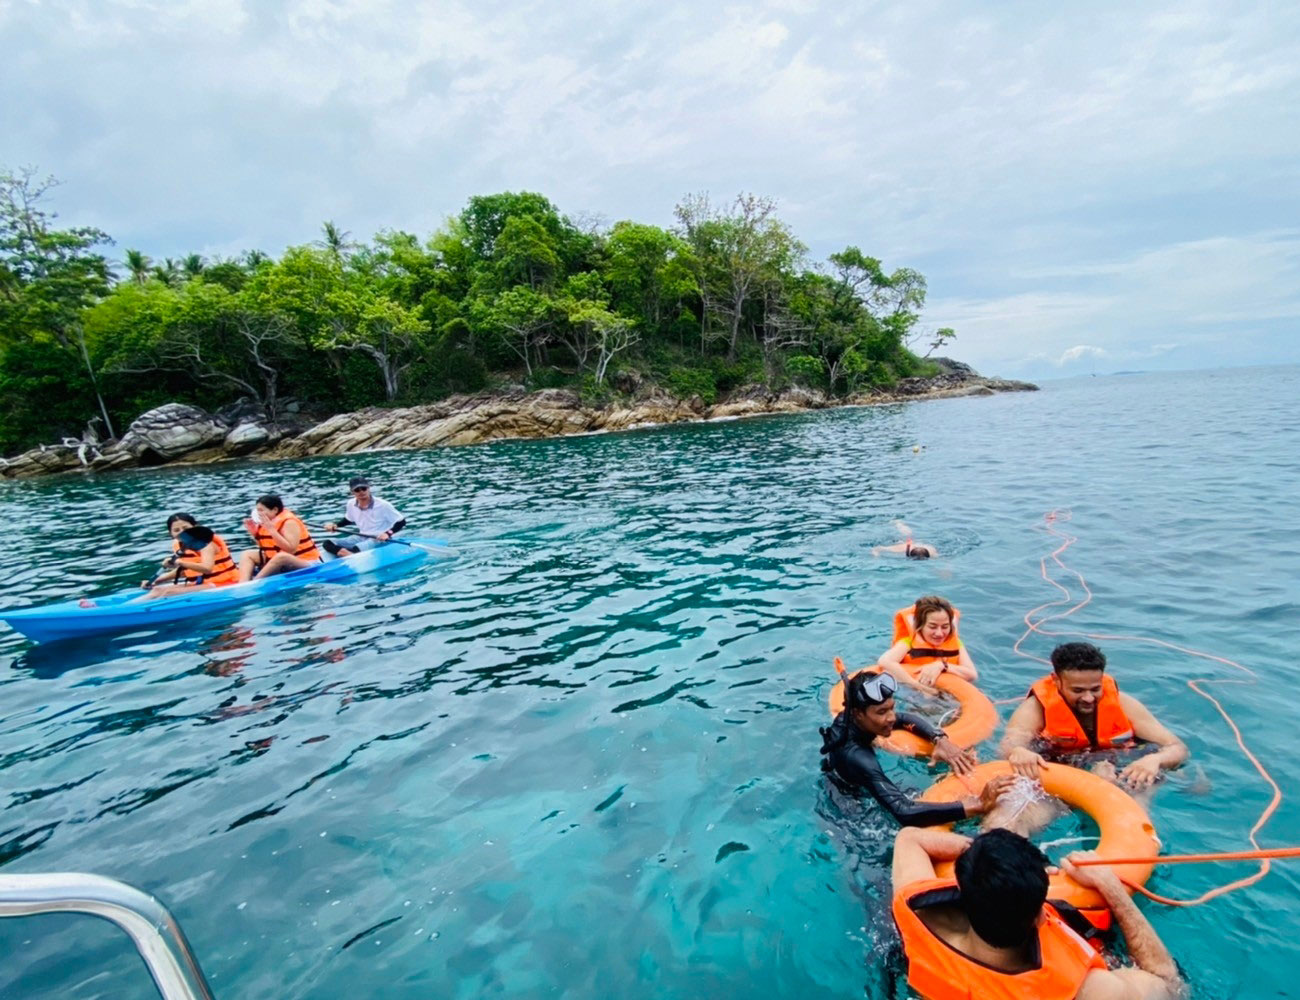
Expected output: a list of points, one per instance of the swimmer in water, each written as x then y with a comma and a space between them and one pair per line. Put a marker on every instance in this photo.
908, 547
1079, 710
988, 929
932, 648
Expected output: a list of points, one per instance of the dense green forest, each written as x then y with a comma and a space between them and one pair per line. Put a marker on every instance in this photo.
508, 292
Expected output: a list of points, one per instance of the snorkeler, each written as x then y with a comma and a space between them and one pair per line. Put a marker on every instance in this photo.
908, 548
848, 744
930, 646
989, 931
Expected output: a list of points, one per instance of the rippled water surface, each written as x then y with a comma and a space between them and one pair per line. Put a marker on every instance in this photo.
582, 760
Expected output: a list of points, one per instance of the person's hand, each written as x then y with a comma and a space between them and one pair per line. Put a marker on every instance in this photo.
990, 794
331, 527
250, 526
1025, 762
931, 672
385, 536
146, 585
961, 761
265, 518
1142, 773
1098, 877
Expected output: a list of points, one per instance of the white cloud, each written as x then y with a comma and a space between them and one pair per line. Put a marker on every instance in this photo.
1088, 177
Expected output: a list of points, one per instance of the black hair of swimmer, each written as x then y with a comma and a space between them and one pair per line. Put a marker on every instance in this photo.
271, 501
1077, 656
197, 536
1003, 883
916, 552
181, 516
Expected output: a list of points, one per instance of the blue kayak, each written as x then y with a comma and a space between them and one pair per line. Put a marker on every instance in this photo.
131, 609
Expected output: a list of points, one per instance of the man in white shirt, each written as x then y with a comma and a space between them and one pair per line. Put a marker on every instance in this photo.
376, 521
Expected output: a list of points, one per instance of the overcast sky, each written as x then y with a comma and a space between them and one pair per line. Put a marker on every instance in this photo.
1101, 186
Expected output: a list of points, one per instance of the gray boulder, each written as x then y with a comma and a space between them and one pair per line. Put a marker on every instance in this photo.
169, 431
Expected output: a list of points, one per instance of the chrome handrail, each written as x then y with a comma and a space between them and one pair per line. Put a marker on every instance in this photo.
154, 930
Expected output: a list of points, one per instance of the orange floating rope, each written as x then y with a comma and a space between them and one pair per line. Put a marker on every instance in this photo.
1033, 624
1188, 859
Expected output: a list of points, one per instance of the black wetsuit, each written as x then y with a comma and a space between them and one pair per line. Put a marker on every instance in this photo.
851, 756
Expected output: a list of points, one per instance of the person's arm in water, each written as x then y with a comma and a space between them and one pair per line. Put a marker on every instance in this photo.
859, 766
1023, 728
945, 750
916, 851
1156, 976
1173, 751
900, 548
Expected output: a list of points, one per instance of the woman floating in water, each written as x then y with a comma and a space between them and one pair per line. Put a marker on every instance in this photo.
908, 547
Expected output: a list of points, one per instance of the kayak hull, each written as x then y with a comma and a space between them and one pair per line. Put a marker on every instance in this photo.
130, 610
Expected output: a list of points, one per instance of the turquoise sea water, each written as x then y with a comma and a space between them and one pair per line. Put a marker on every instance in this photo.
582, 760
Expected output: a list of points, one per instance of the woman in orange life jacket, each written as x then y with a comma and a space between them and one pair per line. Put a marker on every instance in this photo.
199, 560
283, 541
931, 649
1079, 711
990, 932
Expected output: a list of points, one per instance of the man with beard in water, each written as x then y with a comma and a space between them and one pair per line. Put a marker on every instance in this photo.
849, 746
1078, 710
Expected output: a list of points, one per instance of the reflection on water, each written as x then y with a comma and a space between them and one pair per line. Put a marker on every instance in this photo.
583, 757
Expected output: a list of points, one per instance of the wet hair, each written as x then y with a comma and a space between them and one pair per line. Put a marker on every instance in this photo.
926, 606
1003, 883
271, 501
918, 552
181, 516
1077, 656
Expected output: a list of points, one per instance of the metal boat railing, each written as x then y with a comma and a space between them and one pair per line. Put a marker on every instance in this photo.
151, 926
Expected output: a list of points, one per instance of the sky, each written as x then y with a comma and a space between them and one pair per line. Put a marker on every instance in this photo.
1087, 188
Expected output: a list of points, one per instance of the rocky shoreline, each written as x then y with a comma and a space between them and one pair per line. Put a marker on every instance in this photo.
178, 434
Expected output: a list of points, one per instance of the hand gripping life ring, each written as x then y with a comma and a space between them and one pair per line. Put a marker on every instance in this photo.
1126, 830
975, 723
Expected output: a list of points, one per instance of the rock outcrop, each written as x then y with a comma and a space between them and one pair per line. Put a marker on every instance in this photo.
186, 434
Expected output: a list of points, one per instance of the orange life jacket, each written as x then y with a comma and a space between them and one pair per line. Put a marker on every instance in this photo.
919, 655
938, 971
1062, 729
306, 547
224, 569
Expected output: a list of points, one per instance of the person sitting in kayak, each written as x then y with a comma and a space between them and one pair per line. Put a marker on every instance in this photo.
908, 547
200, 560
989, 931
849, 747
377, 521
283, 541
930, 646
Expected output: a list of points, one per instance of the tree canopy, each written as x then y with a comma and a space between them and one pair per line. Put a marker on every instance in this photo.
509, 291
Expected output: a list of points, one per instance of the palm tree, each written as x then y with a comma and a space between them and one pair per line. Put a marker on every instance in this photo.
167, 272
193, 266
139, 265
336, 239
253, 259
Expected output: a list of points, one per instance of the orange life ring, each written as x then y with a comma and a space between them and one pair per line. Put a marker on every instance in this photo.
1126, 830
974, 724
